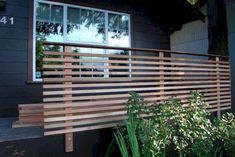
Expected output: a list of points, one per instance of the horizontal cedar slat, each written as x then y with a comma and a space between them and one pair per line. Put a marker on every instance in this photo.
45, 93
132, 62
93, 121
113, 96
63, 131
121, 79
110, 67
131, 84
55, 73
117, 107
133, 57
108, 102
97, 100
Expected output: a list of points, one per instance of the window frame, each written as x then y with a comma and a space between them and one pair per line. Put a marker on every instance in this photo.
65, 13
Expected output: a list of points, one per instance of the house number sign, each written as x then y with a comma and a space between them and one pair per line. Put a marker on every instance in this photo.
6, 20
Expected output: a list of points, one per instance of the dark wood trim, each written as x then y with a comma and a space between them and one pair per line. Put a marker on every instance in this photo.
30, 42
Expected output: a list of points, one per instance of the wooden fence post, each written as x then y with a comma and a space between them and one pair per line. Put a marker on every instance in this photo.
218, 87
68, 136
161, 56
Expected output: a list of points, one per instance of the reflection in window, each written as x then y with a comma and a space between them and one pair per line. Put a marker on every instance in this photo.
85, 25
80, 25
91, 66
118, 31
49, 27
49, 22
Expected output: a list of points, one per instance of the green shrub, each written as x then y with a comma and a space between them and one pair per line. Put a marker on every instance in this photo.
224, 134
187, 131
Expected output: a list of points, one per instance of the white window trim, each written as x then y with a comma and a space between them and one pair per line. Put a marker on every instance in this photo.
65, 8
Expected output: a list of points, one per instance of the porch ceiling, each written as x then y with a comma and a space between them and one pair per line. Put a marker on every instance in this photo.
174, 13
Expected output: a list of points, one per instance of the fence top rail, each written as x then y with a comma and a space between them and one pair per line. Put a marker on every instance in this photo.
130, 49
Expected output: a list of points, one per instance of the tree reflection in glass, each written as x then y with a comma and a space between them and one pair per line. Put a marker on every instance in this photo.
118, 31
49, 22
86, 25
49, 27
83, 25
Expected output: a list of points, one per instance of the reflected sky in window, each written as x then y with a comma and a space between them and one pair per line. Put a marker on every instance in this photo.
86, 26
83, 25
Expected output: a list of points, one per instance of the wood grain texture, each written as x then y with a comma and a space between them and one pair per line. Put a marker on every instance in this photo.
86, 91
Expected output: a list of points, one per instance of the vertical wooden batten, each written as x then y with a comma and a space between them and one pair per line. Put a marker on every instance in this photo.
161, 55
218, 85
68, 136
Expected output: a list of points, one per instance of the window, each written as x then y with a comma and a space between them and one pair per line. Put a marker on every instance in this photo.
58, 22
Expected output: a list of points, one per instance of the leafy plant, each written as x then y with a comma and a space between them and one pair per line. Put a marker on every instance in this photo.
193, 134
152, 131
224, 134
39, 54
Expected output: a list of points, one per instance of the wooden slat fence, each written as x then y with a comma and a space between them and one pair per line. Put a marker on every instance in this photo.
87, 90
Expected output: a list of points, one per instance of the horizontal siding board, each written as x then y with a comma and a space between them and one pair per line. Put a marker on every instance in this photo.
142, 19
19, 23
150, 37
12, 56
13, 33
6, 103
15, 11
12, 79
139, 27
18, 92
14, 68
22, 3
14, 44
153, 45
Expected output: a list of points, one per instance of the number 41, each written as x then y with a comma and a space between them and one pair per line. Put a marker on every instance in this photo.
4, 20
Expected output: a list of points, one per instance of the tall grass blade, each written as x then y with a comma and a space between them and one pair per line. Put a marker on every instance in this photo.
121, 144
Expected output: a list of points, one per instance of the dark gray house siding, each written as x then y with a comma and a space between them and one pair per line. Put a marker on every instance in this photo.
13, 60
14, 40
14, 89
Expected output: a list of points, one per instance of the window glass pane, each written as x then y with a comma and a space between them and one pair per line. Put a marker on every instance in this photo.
113, 21
57, 13
73, 24
86, 18
99, 19
47, 29
118, 32
91, 28
52, 29
83, 25
43, 11
123, 22
118, 37
73, 15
